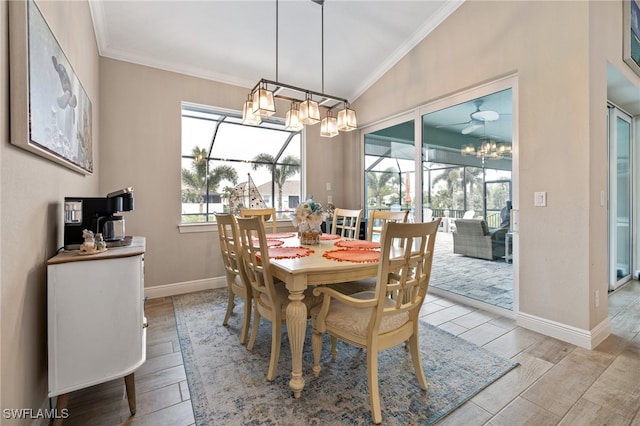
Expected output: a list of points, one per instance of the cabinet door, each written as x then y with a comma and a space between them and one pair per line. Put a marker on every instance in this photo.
95, 321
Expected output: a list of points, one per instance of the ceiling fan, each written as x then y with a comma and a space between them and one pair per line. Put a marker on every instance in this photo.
477, 118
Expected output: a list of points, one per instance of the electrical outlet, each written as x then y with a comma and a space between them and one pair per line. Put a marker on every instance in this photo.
328, 186
329, 199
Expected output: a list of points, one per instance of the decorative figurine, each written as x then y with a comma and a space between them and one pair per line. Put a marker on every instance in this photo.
89, 244
101, 245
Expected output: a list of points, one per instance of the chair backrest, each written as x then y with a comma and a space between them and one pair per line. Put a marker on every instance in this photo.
255, 256
469, 214
229, 245
268, 216
377, 219
346, 223
472, 227
403, 272
428, 215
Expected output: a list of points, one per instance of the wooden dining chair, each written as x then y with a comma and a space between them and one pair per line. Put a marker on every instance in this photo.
270, 299
237, 283
377, 219
346, 223
268, 216
389, 315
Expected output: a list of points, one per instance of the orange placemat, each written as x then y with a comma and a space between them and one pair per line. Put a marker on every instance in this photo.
325, 237
270, 242
288, 252
358, 244
353, 255
277, 235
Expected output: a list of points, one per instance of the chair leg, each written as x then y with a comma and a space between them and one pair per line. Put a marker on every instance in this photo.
372, 379
316, 343
417, 363
334, 345
230, 304
256, 324
276, 338
246, 320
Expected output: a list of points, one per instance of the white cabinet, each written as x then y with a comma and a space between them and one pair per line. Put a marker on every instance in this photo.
96, 323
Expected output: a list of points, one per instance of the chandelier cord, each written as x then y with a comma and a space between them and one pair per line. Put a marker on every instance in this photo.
322, 41
277, 40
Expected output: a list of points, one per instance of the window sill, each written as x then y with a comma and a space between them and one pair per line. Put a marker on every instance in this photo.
187, 228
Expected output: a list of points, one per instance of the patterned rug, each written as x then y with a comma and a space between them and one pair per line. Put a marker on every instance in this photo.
228, 386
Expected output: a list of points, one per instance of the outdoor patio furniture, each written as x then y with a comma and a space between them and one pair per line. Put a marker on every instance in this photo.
473, 238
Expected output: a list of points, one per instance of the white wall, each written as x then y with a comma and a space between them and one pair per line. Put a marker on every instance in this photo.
30, 215
141, 147
561, 140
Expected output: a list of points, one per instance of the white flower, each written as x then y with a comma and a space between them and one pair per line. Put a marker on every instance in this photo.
308, 213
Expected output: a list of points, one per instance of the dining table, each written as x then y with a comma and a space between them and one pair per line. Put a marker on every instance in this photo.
333, 260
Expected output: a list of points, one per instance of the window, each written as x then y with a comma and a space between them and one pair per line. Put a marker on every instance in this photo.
219, 153
389, 174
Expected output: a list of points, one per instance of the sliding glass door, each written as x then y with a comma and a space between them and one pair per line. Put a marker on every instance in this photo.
620, 203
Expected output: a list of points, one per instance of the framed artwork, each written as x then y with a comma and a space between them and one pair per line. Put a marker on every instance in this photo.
631, 36
50, 111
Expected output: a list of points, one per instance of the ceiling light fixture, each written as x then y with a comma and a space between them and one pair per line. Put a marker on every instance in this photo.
488, 148
304, 102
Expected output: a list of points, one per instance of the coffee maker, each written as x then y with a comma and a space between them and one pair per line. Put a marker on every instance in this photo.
97, 214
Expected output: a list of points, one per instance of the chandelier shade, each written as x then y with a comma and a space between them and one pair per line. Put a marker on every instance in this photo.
292, 119
263, 103
347, 119
329, 126
248, 117
309, 111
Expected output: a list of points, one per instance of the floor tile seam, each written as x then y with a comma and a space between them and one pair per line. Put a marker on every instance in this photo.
559, 416
611, 408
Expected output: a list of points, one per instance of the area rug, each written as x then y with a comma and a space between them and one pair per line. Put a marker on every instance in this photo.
228, 385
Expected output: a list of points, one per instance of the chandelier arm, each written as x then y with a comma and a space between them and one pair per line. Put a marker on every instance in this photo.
298, 89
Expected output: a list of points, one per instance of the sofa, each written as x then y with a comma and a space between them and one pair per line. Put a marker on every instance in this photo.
473, 238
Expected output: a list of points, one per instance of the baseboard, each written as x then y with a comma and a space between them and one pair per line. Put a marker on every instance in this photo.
587, 339
167, 290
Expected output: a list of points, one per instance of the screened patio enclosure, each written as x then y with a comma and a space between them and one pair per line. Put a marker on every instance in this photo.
452, 180
219, 153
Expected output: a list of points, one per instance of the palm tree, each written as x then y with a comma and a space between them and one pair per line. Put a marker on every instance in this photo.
198, 182
381, 184
289, 166
446, 197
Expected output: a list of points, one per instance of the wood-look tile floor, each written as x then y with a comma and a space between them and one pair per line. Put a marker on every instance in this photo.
556, 383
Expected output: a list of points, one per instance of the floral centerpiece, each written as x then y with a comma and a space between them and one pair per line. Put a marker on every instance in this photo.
307, 218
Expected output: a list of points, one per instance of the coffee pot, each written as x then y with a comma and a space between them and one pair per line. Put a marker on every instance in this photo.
97, 214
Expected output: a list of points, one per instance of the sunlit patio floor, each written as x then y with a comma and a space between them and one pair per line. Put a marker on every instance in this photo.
489, 282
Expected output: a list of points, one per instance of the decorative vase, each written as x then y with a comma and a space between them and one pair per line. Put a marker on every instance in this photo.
309, 233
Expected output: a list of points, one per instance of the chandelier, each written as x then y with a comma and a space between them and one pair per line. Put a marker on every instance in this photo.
488, 148
305, 103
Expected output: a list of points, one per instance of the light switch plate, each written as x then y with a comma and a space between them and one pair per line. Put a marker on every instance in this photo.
540, 199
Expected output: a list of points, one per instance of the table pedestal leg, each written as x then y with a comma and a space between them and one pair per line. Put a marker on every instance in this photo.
296, 328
